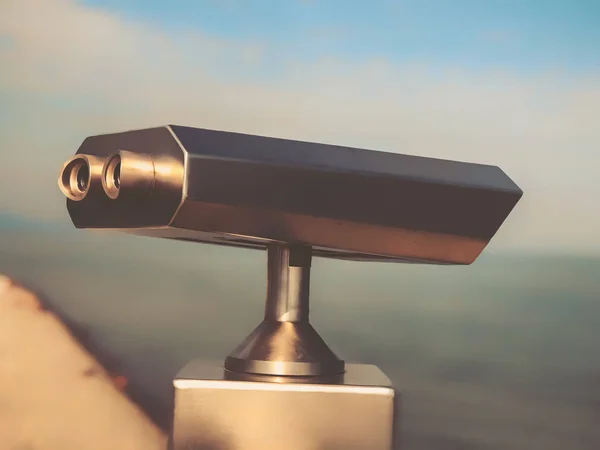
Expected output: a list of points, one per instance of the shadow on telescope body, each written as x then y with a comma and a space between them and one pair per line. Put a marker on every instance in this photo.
248, 191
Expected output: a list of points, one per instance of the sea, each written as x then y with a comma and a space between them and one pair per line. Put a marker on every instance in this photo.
501, 354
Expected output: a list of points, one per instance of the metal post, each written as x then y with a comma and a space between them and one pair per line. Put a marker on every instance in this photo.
285, 343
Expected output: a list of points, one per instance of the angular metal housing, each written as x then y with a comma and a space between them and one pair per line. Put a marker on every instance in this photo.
247, 191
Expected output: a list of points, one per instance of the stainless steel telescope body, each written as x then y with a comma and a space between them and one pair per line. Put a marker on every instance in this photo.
282, 387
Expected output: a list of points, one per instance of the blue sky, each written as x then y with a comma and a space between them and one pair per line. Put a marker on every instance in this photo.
509, 83
523, 35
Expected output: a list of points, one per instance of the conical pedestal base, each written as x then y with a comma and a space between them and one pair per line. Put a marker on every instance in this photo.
284, 349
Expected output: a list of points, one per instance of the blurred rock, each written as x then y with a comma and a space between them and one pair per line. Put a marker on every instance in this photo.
53, 394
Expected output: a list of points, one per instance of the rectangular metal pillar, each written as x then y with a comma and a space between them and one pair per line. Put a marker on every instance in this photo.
213, 412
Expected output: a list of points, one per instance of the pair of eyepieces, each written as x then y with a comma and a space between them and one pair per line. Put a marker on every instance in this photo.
83, 174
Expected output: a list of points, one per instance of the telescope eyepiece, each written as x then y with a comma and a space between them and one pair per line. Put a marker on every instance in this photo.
128, 173
111, 176
77, 176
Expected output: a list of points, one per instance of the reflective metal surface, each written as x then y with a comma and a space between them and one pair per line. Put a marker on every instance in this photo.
213, 411
282, 387
248, 191
147, 198
127, 173
79, 176
285, 343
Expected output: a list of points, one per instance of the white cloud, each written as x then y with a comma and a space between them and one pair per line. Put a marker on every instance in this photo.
69, 71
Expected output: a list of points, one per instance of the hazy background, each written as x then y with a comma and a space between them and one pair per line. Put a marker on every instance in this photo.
504, 354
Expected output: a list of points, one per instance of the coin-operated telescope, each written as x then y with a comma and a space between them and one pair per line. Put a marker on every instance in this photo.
282, 387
